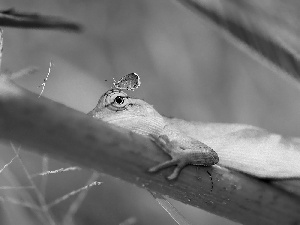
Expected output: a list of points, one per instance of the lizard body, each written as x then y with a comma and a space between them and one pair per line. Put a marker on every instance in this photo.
241, 147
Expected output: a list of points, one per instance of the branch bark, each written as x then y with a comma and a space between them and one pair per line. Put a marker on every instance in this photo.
12, 18
47, 127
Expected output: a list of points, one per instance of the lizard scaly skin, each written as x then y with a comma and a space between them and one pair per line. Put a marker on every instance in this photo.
116, 107
245, 148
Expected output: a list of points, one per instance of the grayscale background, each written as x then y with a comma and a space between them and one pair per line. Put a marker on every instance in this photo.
187, 69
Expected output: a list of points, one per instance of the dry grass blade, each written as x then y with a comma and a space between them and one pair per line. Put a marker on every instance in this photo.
20, 203
7, 164
23, 72
1, 47
39, 195
15, 188
262, 28
43, 85
45, 164
12, 18
73, 168
170, 209
68, 218
129, 221
66, 196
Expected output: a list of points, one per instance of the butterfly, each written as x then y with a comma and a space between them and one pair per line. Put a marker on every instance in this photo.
129, 82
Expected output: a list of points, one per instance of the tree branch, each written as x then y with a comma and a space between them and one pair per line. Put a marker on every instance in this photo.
47, 127
261, 28
12, 18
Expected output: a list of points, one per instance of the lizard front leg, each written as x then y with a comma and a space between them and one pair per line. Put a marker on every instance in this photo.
190, 151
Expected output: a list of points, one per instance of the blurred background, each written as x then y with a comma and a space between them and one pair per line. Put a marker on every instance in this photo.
187, 69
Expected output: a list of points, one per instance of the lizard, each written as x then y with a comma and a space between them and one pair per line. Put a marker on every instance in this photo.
245, 148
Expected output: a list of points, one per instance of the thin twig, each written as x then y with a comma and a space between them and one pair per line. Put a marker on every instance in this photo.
13, 18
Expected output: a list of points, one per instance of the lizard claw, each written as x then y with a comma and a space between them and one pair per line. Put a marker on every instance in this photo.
176, 172
182, 157
180, 163
166, 164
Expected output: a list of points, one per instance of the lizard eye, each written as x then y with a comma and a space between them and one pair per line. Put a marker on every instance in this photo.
116, 100
120, 103
119, 100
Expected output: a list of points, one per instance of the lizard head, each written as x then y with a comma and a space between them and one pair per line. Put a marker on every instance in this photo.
117, 108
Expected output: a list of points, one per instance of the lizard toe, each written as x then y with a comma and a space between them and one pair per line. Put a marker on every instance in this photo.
176, 172
163, 165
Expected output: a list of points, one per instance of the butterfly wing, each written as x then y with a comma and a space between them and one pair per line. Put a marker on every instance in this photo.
129, 82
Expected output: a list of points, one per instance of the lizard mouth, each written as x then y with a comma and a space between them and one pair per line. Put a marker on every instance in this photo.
215, 157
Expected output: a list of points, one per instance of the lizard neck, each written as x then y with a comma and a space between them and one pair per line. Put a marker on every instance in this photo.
138, 116
141, 125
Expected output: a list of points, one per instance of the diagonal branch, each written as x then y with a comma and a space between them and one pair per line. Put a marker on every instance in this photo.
47, 127
12, 18
264, 29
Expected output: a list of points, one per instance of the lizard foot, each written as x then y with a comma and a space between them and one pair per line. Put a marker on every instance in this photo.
182, 157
